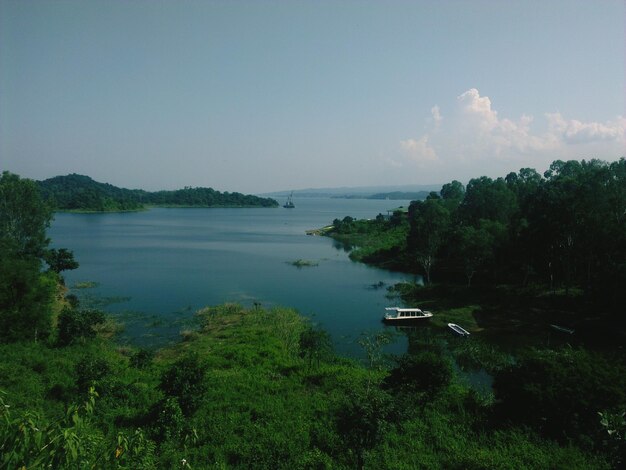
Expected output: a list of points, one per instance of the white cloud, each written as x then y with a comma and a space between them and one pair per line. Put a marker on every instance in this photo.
476, 110
475, 134
574, 131
419, 151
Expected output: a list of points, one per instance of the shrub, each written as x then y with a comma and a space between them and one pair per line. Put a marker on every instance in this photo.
560, 393
184, 380
77, 325
421, 375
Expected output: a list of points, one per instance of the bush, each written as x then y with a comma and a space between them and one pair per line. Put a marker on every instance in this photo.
560, 393
90, 371
184, 380
421, 375
77, 325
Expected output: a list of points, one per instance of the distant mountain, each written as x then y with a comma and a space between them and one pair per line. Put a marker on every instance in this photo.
394, 195
81, 193
359, 191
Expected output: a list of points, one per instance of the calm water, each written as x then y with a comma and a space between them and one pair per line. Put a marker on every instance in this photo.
160, 266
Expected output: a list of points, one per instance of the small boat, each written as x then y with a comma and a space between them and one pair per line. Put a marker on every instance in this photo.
289, 204
562, 329
397, 315
458, 330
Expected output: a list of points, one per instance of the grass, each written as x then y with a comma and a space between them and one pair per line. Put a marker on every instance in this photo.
267, 406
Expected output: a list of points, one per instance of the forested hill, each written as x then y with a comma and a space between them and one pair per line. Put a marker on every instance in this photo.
81, 193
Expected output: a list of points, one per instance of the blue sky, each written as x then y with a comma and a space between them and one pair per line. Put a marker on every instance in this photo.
256, 96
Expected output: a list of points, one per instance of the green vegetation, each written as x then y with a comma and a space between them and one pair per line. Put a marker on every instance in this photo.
27, 294
80, 193
260, 388
263, 388
301, 263
508, 259
561, 235
379, 241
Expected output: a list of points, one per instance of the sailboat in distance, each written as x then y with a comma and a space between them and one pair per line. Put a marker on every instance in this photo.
289, 204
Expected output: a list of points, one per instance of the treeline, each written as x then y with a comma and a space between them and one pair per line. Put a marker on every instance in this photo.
81, 193
565, 230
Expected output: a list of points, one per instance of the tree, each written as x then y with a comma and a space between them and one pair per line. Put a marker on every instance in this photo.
362, 420
60, 260
26, 297
430, 222
25, 293
488, 199
453, 193
74, 325
23, 216
315, 344
474, 247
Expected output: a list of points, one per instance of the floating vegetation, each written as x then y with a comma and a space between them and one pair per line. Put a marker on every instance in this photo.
93, 301
85, 285
301, 263
377, 285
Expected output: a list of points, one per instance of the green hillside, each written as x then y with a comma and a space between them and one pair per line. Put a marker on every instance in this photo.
81, 193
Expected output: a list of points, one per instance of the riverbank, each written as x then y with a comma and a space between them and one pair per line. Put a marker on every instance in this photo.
253, 388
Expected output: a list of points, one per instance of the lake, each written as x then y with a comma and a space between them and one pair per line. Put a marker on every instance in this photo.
152, 270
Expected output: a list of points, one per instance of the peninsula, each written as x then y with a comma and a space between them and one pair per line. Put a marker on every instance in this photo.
79, 193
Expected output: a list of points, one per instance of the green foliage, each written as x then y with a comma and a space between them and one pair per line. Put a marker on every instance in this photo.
614, 441
60, 260
362, 420
419, 377
142, 358
170, 423
26, 298
81, 193
559, 393
184, 380
430, 222
564, 230
26, 294
23, 216
75, 325
91, 371
315, 345
379, 241
261, 406
73, 441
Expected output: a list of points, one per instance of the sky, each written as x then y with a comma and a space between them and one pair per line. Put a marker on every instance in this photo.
260, 96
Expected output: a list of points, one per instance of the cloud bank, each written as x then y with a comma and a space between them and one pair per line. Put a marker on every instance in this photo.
473, 139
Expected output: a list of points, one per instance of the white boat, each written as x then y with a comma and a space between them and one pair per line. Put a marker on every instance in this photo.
397, 315
562, 329
458, 330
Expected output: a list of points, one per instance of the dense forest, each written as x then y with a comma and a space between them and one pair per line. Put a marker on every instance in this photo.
262, 388
563, 232
81, 193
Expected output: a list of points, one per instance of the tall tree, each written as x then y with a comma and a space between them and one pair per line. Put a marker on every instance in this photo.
430, 220
23, 216
25, 292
